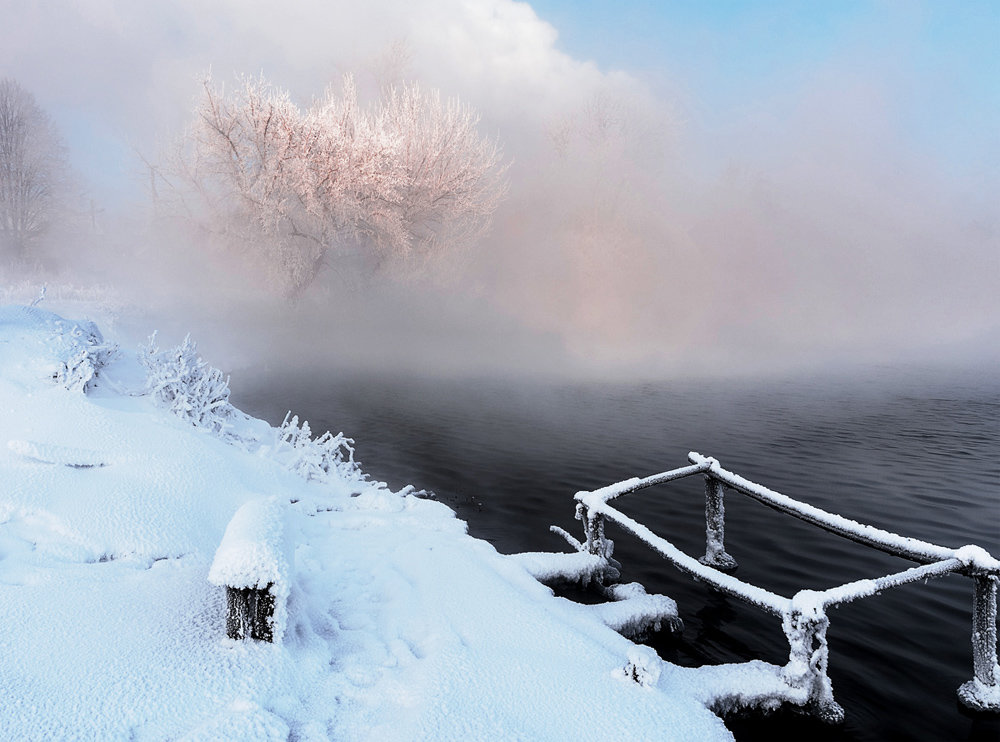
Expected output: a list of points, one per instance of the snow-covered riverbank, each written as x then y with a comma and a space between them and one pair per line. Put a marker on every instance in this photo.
114, 500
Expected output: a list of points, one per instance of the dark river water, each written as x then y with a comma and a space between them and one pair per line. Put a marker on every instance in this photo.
917, 453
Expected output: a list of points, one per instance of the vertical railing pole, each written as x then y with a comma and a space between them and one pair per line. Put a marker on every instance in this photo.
983, 691
808, 658
715, 527
593, 531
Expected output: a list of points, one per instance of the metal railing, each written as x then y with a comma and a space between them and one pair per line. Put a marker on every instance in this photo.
804, 615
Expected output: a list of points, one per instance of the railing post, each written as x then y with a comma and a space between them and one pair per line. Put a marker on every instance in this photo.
593, 529
982, 693
715, 527
807, 661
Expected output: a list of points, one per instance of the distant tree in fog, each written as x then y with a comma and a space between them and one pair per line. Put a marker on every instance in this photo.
398, 181
32, 171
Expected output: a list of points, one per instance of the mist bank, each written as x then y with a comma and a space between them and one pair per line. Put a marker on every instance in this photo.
651, 227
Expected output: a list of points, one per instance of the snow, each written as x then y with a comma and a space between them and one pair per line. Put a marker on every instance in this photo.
250, 554
610, 492
399, 625
580, 567
80, 458
858, 589
634, 613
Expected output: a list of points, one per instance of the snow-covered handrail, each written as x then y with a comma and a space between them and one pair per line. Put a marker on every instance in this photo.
765, 599
606, 494
803, 615
851, 591
891, 543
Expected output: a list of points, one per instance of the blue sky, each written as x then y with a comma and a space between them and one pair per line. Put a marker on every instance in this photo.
940, 60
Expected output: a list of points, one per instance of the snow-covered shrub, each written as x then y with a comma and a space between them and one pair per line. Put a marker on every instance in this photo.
181, 381
315, 458
199, 393
79, 369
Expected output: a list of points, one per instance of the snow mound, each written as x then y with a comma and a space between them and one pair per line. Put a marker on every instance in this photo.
42, 346
634, 613
579, 567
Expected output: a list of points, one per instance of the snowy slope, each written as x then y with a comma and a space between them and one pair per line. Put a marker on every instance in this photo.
399, 625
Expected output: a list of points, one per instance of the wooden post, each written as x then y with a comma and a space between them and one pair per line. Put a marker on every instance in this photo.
715, 527
982, 693
252, 565
250, 613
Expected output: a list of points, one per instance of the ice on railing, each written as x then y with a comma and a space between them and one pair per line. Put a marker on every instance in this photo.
858, 589
252, 555
978, 695
764, 599
978, 558
901, 545
634, 613
579, 567
50, 453
804, 680
611, 491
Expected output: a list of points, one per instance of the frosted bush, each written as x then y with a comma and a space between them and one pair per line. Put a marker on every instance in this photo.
199, 393
181, 381
315, 458
81, 367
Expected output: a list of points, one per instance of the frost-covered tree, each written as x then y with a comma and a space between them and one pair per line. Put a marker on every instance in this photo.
401, 179
32, 170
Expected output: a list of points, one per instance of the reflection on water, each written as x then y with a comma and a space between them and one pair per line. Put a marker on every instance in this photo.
918, 454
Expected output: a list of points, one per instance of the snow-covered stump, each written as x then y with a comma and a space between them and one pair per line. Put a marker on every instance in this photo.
982, 693
251, 564
805, 625
715, 527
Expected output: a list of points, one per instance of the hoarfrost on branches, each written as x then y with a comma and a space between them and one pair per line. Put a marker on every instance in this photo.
181, 381
78, 371
33, 172
315, 458
296, 189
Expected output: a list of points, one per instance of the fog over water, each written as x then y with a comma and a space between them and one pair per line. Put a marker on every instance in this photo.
843, 211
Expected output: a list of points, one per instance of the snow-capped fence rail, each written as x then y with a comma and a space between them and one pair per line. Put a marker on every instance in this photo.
251, 564
804, 615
